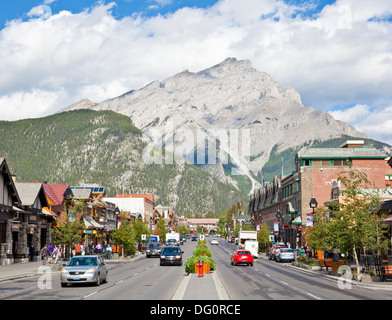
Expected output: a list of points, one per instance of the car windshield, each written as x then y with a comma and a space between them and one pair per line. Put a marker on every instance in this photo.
171, 250
171, 240
286, 250
83, 261
154, 246
243, 252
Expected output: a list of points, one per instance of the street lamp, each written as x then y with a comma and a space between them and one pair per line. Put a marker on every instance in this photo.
313, 203
116, 213
279, 216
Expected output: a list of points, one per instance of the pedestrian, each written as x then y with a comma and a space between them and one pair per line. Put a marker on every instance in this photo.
91, 248
32, 249
55, 254
82, 249
78, 250
98, 247
288, 245
301, 251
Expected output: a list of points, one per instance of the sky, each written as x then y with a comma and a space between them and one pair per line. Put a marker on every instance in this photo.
336, 54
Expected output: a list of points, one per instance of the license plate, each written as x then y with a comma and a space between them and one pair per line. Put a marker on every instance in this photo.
76, 278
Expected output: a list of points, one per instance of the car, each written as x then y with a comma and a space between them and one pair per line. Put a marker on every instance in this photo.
272, 253
214, 241
242, 257
172, 242
285, 254
153, 250
194, 238
232, 240
171, 255
84, 269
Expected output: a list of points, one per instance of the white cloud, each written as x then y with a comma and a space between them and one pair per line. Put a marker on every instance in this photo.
335, 57
377, 122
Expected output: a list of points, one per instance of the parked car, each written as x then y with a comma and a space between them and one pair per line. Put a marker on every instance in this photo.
285, 254
171, 255
214, 241
172, 242
232, 240
272, 252
242, 257
194, 238
153, 250
84, 269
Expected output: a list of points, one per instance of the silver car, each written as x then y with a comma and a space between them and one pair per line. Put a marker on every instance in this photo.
284, 254
84, 269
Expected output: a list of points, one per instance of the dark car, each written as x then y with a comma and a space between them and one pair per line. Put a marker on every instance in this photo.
171, 255
194, 238
153, 250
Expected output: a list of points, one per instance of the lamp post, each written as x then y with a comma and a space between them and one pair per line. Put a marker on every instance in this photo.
116, 213
279, 216
313, 203
67, 197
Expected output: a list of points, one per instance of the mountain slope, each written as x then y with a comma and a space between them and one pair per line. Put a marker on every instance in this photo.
104, 148
229, 96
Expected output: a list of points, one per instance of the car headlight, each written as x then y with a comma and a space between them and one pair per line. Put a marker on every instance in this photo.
91, 270
148, 250
64, 271
178, 257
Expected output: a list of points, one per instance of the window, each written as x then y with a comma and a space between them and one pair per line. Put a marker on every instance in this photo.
340, 163
321, 163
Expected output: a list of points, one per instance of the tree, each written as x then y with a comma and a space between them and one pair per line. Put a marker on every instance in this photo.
69, 228
353, 224
125, 236
263, 236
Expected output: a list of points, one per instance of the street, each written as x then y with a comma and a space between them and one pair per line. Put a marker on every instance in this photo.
145, 279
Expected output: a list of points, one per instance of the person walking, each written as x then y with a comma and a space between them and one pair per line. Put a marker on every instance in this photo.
32, 249
78, 250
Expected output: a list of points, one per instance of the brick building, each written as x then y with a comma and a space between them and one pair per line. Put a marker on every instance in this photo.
316, 170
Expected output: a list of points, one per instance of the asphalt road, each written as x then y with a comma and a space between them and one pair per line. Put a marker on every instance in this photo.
145, 279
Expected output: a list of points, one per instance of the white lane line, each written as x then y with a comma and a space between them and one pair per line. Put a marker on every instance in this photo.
118, 282
89, 295
180, 292
222, 293
284, 283
309, 294
267, 275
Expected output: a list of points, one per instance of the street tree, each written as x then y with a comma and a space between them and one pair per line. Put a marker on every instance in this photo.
69, 227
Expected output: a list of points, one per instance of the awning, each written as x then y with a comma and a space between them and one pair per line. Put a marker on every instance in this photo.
297, 220
388, 220
91, 223
290, 208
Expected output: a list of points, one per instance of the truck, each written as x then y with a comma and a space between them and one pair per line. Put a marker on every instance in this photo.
248, 240
173, 235
153, 239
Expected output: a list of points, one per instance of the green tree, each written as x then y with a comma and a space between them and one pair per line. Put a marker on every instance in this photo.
125, 236
69, 228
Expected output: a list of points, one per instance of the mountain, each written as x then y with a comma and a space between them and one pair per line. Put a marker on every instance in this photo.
104, 148
230, 98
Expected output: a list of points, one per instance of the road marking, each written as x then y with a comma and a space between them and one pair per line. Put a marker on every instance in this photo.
267, 275
89, 295
222, 293
309, 294
119, 281
180, 292
136, 274
284, 283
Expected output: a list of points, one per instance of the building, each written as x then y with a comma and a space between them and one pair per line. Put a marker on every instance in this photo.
285, 204
207, 225
136, 206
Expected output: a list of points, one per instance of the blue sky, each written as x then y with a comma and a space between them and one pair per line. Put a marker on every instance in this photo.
336, 54
11, 10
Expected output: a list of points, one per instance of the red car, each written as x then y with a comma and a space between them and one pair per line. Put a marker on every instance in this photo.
242, 257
